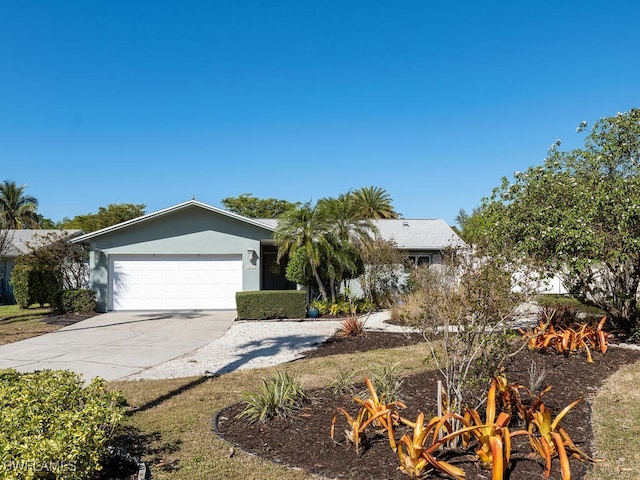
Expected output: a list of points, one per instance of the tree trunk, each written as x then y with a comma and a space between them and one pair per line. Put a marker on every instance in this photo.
323, 292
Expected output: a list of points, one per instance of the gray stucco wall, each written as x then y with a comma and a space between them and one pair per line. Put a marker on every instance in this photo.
6, 289
189, 231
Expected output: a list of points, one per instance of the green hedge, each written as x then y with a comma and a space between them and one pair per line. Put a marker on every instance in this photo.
32, 285
53, 426
265, 304
69, 301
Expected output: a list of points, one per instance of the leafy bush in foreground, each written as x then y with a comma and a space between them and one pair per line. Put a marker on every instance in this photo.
53, 426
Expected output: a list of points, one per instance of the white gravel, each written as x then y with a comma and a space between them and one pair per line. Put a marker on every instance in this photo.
256, 344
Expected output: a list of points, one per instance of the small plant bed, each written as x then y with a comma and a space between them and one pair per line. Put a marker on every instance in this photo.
66, 319
339, 344
305, 441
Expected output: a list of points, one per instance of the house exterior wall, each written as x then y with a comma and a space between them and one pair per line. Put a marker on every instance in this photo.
434, 257
6, 289
189, 231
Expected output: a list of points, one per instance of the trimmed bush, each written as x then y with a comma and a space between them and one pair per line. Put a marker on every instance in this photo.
74, 301
34, 285
265, 304
53, 426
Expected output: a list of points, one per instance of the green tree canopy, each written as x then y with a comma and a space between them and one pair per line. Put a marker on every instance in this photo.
374, 202
578, 215
331, 235
106, 216
471, 225
52, 263
252, 207
302, 228
44, 222
17, 209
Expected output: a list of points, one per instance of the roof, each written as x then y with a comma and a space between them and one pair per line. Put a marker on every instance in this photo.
419, 234
22, 240
167, 211
410, 234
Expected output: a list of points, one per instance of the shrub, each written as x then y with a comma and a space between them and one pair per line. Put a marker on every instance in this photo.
343, 307
267, 304
281, 396
34, 285
342, 383
69, 301
552, 300
462, 308
383, 276
321, 305
53, 426
387, 381
365, 306
351, 326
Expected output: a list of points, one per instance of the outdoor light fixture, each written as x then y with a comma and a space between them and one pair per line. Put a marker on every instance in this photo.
251, 256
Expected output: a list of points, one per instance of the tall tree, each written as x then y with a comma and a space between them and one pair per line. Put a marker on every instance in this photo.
17, 210
302, 228
44, 222
578, 215
471, 225
105, 217
54, 251
348, 230
375, 202
332, 235
249, 206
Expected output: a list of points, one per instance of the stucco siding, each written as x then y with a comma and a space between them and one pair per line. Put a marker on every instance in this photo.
191, 231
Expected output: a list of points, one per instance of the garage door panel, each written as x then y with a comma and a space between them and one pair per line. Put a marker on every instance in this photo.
171, 282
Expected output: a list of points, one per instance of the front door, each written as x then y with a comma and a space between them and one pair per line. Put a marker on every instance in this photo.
273, 273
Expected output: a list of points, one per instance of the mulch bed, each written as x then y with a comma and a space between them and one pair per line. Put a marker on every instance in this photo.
305, 442
67, 319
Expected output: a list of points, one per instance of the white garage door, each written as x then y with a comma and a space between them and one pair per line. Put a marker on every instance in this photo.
175, 282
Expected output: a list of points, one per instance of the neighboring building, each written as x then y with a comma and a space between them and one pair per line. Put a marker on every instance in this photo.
19, 242
196, 256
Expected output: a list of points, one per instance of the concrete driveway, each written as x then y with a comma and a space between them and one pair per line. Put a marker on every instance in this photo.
117, 344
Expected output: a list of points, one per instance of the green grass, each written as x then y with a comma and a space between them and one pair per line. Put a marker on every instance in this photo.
19, 324
170, 424
616, 423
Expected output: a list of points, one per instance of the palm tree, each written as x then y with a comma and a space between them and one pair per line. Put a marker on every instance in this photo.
332, 235
303, 228
375, 202
346, 219
17, 210
348, 230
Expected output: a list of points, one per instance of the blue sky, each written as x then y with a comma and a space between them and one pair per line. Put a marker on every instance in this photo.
155, 102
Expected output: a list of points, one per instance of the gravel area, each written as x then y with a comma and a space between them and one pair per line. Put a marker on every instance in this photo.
256, 344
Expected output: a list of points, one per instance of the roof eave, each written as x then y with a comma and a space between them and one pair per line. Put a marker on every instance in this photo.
165, 211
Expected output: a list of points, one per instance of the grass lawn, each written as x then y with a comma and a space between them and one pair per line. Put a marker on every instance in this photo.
171, 423
19, 324
616, 424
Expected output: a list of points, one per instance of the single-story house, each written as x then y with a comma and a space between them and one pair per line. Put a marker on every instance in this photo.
18, 242
196, 256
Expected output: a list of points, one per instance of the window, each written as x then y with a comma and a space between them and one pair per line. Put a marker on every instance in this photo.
419, 260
